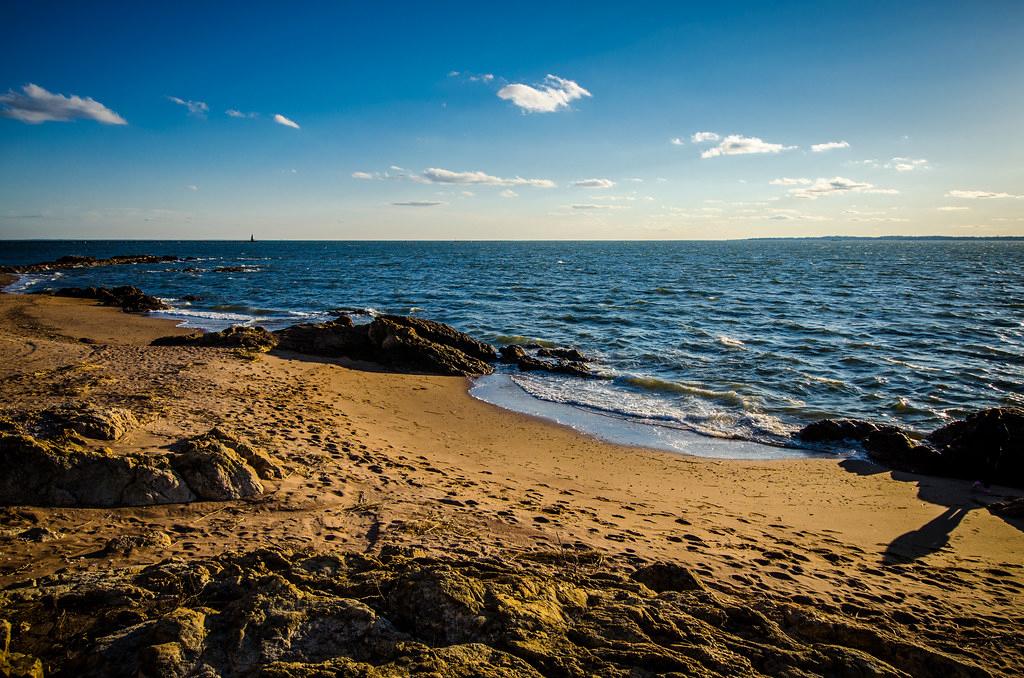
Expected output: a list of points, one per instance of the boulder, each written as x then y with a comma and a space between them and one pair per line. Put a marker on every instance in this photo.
90, 421
987, 445
570, 354
129, 299
1011, 508
333, 339
661, 577
217, 467
237, 336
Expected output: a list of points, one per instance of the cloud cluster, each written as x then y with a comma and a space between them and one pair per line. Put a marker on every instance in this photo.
981, 195
35, 105
594, 183
417, 203
196, 108
821, 187
735, 144
906, 164
281, 120
828, 146
553, 94
437, 175
235, 113
702, 137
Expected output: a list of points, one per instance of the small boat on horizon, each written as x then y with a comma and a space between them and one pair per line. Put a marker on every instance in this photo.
252, 237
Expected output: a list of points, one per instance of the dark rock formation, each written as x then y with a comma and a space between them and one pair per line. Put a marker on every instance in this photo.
73, 261
517, 355
236, 336
64, 472
130, 299
570, 354
1011, 508
298, 615
191, 297
229, 269
987, 445
835, 430
397, 344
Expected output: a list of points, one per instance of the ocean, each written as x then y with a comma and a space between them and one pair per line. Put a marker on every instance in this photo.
701, 341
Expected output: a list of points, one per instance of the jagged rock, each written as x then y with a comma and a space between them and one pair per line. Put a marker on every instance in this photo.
895, 449
280, 613
38, 534
191, 298
394, 343
518, 356
401, 346
834, 430
237, 336
74, 261
63, 473
130, 299
215, 469
439, 333
570, 354
229, 269
90, 421
16, 664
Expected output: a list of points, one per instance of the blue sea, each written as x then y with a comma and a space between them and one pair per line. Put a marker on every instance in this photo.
701, 341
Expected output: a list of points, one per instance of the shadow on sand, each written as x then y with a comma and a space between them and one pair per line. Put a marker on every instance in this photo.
956, 495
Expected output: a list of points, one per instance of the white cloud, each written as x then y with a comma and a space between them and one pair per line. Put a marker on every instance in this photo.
592, 206
786, 181
436, 175
734, 144
594, 183
676, 141
829, 146
281, 120
417, 203
196, 108
508, 193
951, 208
192, 187
36, 105
980, 195
553, 94
906, 164
701, 137
235, 113
836, 186
365, 176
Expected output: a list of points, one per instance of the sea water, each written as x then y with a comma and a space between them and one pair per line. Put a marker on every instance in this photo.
745, 340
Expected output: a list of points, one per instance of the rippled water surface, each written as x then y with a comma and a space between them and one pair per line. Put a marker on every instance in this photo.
748, 338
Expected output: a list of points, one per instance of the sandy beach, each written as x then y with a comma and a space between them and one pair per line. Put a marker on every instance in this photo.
376, 463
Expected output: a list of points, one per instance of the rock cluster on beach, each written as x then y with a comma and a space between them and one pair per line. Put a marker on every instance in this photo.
129, 299
987, 445
237, 336
297, 615
57, 467
556, 360
74, 261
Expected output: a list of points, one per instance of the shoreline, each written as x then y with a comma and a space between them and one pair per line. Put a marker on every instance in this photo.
376, 461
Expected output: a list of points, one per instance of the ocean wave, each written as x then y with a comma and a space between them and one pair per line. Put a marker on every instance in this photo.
730, 342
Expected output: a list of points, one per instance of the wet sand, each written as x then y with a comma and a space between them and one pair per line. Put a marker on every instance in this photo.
375, 460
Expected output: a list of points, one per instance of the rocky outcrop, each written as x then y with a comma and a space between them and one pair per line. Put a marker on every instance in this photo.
237, 336
1011, 508
393, 341
987, 445
63, 471
286, 614
73, 261
90, 421
517, 355
129, 299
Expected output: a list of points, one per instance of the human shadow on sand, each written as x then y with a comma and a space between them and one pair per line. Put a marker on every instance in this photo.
956, 495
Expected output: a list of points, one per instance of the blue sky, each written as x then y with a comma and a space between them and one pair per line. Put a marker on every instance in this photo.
537, 120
